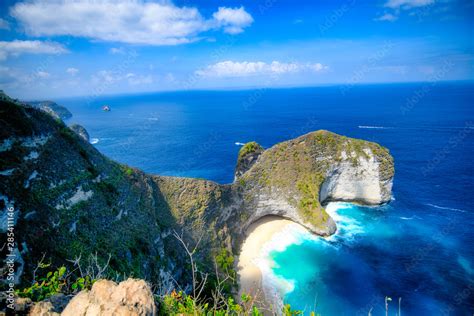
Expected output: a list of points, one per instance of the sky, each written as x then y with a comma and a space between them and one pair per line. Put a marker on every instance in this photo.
67, 48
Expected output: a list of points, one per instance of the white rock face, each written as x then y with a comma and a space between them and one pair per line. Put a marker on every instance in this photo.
276, 205
130, 297
79, 196
356, 182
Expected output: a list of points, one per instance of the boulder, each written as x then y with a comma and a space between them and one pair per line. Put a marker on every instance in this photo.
130, 297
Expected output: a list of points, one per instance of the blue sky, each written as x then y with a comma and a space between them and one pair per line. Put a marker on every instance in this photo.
77, 48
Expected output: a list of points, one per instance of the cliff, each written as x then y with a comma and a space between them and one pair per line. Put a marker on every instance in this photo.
69, 200
52, 108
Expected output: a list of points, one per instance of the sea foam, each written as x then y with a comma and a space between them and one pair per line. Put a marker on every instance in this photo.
373, 127
275, 286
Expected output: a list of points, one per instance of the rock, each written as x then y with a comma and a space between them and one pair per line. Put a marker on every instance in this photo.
51, 306
130, 297
360, 183
248, 155
81, 131
52, 108
294, 179
23, 305
44, 308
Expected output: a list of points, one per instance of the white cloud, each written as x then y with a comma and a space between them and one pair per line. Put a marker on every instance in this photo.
72, 71
43, 74
117, 50
387, 17
4, 25
419, 8
248, 68
134, 79
107, 77
407, 4
17, 47
233, 20
126, 21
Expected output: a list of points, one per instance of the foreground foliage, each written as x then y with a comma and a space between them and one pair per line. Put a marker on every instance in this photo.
178, 303
59, 281
55, 282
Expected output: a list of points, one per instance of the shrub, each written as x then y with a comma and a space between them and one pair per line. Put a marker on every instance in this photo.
225, 261
55, 282
128, 171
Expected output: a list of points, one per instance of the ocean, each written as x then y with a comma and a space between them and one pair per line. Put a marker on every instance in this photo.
419, 248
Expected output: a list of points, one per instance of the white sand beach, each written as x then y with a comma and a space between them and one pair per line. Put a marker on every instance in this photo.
250, 275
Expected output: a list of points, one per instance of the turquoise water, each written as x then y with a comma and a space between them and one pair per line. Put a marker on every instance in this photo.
345, 273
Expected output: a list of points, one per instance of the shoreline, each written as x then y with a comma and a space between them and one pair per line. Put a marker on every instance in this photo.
250, 276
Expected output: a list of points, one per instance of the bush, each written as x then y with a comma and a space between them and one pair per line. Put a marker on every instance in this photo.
54, 282
225, 261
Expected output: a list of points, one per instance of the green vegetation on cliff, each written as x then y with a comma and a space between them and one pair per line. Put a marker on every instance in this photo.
249, 148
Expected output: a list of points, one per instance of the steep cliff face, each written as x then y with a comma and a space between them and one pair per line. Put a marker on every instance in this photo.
248, 156
52, 108
69, 200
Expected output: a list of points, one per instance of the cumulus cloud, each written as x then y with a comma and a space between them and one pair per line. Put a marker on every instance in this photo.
233, 20
117, 50
248, 68
134, 79
43, 74
72, 71
17, 47
414, 7
387, 17
126, 21
407, 4
107, 77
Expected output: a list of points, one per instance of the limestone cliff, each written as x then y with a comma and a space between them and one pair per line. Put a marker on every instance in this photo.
52, 108
69, 199
294, 179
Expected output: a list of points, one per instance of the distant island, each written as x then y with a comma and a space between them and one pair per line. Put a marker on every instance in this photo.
73, 207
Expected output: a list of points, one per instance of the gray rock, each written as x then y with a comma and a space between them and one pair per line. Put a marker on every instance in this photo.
81, 131
52, 108
130, 297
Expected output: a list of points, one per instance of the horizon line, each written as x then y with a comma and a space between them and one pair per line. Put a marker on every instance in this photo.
248, 88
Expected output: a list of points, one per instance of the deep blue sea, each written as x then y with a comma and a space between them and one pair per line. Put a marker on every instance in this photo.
419, 248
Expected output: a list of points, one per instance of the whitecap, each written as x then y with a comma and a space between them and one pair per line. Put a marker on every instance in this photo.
446, 208
239, 144
373, 127
347, 227
94, 141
